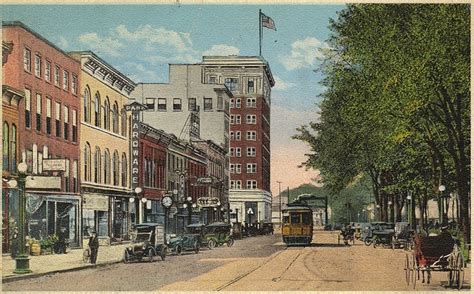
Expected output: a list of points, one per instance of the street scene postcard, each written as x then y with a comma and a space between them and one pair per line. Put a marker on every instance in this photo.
183, 146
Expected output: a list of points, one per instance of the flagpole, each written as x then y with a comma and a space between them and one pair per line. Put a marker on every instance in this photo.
260, 31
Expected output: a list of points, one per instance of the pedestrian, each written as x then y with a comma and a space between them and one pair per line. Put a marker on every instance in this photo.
94, 247
62, 241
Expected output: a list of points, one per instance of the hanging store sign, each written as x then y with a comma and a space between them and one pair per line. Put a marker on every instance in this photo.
54, 164
208, 202
135, 108
204, 181
42, 182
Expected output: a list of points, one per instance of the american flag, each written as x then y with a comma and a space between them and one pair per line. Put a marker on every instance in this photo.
268, 22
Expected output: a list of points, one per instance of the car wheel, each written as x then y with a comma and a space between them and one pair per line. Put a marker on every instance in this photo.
163, 253
178, 250
367, 241
211, 244
150, 255
230, 242
126, 257
196, 247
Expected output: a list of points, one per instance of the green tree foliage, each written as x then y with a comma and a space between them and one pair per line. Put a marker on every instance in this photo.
397, 103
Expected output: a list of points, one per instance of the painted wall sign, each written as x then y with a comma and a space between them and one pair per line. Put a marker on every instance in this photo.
135, 108
41, 182
54, 164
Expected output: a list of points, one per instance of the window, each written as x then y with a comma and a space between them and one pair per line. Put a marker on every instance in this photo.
212, 80
107, 114
87, 105
27, 108
192, 104
237, 135
306, 218
177, 104
232, 137
250, 86
48, 116
115, 118
232, 184
27, 59
38, 66
238, 168
107, 167
67, 177
238, 184
115, 169
74, 125
65, 80
74, 84
161, 104
237, 119
38, 112
97, 107
231, 83
251, 103
66, 123
75, 182
237, 152
232, 119
251, 168
232, 103
251, 135
57, 114
124, 170
56, 76
295, 218
232, 168
6, 145
251, 184
251, 151
87, 162
47, 71
251, 119
232, 151
220, 103
124, 123
238, 103
207, 104
97, 165
150, 104
13, 148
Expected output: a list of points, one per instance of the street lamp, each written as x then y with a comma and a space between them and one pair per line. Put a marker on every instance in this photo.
22, 260
441, 189
378, 212
390, 210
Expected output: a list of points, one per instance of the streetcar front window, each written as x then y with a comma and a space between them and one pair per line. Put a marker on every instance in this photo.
306, 218
286, 219
295, 218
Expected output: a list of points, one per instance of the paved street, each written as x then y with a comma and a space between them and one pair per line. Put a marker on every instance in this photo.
259, 263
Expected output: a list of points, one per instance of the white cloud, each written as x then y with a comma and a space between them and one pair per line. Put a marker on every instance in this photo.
221, 50
281, 85
304, 54
63, 43
99, 44
139, 73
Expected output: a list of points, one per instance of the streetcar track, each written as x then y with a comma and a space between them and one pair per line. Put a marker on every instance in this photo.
277, 279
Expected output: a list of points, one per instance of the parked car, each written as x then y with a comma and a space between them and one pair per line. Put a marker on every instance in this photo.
200, 230
218, 234
148, 242
185, 242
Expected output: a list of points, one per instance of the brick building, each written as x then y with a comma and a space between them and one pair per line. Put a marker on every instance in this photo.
250, 80
47, 128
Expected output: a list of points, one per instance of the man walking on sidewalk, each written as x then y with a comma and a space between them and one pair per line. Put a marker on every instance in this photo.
94, 247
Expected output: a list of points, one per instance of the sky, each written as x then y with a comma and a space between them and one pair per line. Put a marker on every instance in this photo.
141, 40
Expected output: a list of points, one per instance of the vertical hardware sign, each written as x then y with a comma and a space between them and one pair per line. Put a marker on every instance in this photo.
135, 108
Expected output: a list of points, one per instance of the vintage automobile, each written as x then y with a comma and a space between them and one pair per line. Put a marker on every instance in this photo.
185, 242
198, 229
148, 241
218, 234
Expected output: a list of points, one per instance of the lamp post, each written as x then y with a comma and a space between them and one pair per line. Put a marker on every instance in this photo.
390, 211
189, 205
409, 217
137, 191
22, 260
441, 189
378, 212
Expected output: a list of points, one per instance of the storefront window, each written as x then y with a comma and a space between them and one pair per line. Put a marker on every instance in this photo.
88, 222
103, 217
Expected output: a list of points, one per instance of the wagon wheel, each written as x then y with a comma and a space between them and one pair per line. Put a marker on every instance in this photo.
451, 268
459, 272
408, 269
414, 270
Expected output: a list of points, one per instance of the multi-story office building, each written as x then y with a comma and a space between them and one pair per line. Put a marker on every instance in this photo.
250, 80
187, 106
47, 128
105, 149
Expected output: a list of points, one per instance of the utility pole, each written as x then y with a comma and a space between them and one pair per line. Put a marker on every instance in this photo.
279, 196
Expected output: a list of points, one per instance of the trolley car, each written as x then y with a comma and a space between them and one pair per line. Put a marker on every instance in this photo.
297, 225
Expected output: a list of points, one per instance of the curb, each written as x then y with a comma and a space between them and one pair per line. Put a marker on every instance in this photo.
33, 275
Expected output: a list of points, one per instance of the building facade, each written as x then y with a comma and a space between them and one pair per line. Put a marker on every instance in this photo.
105, 150
187, 106
46, 128
250, 80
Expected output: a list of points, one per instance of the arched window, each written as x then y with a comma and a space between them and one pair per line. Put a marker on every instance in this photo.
115, 168
87, 162
124, 123
124, 170
13, 149
107, 114
107, 166
115, 118
5, 134
97, 165
87, 105
97, 110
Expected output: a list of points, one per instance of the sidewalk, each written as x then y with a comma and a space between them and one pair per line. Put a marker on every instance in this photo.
54, 263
